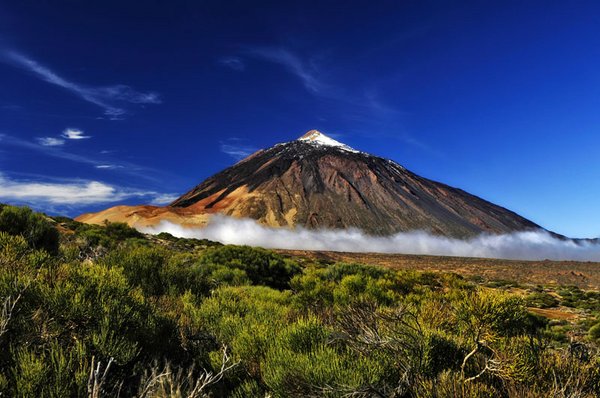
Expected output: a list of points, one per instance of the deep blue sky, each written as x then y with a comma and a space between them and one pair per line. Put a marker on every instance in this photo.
499, 98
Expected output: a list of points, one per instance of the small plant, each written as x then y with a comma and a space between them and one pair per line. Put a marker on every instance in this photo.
594, 332
541, 300
36, 228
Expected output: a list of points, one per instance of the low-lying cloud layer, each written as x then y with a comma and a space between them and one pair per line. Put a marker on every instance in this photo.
532, 245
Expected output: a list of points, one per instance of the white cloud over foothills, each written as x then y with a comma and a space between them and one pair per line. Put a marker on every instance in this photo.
77, 192
527, 245
111, 99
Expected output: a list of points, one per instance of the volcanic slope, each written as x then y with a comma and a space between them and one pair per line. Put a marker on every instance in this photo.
318, 182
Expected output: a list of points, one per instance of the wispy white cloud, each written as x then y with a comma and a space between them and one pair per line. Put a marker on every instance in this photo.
74, 134
235, 148
305, 71
11, 107
53, 151
315, 79
108, 166
69, 193
144, 172
69, 134
163, 199
50, 141
234, 63
363, 105
107, 97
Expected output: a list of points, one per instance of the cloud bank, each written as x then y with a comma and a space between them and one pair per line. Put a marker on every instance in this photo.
531, 245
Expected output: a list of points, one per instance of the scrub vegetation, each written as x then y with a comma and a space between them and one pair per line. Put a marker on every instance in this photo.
104, 311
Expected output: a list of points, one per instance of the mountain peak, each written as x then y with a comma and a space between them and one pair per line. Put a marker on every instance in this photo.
315, 137
318, 182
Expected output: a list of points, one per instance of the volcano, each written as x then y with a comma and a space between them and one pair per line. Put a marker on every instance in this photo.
317, 182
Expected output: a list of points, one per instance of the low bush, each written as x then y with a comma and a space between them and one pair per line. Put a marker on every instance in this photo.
541, 300
36, 228
262, 267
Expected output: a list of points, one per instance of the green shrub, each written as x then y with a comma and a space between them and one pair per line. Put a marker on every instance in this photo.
440, 353
337, 272
263, 267
249, 388
110, 235
325, 371
142, 266
594, 332
29, 373
541, 300
485, 314
36, 228
311, 290
572, 296
357, 288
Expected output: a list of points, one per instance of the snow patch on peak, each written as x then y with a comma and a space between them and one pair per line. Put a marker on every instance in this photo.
315, 137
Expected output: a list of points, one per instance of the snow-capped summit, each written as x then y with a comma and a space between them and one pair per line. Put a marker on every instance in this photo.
318, 138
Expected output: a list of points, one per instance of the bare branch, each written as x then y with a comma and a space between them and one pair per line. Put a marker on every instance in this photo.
165, 382
97, 378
